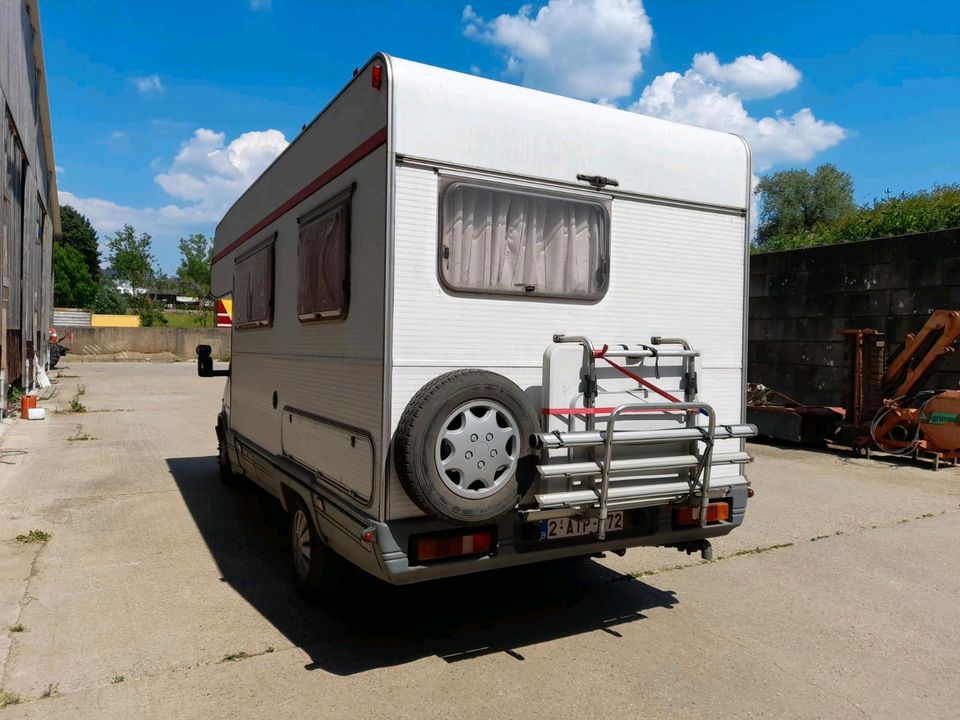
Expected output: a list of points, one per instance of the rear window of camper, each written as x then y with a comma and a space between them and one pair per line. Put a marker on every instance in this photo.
500, 240
324, 257
253, 288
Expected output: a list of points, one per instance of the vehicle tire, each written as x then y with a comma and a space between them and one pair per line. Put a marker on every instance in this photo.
462, 449
318, 572
227, 476
54, 356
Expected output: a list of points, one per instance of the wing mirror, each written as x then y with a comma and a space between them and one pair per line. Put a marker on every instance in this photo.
205, 363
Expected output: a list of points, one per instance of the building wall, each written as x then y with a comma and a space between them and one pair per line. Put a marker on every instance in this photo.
801, 299
29, 213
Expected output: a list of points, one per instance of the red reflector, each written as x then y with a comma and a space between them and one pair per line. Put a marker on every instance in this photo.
376, 76
750, 492
448, 546
716, 512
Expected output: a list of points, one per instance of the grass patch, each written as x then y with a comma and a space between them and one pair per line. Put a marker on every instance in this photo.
17, 628
117, 679
81, 436
233, 657
81, 389
9, 698
34, 536
49, 690
269, 649
187, 319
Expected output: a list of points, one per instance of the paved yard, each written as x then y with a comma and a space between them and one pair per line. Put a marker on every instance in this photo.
160, 594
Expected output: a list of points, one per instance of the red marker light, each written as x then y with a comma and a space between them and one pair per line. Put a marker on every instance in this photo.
376, 76
368, 535
750, 492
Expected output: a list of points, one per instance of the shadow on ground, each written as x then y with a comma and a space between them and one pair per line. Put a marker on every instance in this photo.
379, 625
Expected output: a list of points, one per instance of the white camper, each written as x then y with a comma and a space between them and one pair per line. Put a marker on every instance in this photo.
476, 325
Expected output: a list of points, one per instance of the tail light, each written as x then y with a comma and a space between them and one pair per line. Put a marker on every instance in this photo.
690, 515
427, 548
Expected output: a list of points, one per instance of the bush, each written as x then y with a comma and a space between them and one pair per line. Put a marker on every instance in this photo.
108, 300
150, 312
922, 211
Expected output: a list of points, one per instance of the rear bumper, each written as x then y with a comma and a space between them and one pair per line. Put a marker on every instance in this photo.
515, 546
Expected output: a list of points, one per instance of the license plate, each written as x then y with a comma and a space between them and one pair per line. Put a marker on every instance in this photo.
568, 527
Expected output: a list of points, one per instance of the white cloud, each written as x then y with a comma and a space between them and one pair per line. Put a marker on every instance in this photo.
207, 172
260, 4
148, 84
60, 169
592, 49
691, 98
206, 176
589, 49
749, 76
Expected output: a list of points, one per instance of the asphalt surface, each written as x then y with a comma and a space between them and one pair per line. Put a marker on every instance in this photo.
162, 594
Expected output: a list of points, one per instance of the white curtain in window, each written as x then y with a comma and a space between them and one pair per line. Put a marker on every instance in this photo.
508, 241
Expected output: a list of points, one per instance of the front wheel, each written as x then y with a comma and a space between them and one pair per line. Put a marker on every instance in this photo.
227, 476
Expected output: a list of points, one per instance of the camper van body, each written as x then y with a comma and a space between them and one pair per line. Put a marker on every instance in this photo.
316, 392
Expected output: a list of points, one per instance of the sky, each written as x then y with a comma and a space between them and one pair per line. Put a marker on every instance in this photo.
163, 113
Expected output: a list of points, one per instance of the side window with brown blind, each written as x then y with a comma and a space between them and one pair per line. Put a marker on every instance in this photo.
323, 290
253, 288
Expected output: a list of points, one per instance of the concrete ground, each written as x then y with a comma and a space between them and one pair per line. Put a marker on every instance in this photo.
161, 594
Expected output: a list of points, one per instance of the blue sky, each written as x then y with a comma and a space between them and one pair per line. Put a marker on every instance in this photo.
163, 112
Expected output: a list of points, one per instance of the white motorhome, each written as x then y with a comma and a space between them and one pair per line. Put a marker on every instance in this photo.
476, 325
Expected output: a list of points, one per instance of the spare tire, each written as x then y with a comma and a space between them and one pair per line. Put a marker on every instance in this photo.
462, 449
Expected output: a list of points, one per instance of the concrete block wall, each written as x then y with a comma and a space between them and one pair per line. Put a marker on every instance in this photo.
801, 299
121, 343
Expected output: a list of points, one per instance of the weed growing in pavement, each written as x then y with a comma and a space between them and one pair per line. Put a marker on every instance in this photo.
49, 690
235, 656
269, 649
76, 406
758, 550
81, 389
17, 628
14, 397
117, 679
81, 436
34, 536
9, 698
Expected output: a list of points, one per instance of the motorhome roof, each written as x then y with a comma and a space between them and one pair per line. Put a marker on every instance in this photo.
473, 121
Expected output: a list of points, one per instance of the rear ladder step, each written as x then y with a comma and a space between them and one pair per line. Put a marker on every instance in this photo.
667, 462
638, 437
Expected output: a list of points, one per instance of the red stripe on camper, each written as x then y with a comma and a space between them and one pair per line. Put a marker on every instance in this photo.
338, 168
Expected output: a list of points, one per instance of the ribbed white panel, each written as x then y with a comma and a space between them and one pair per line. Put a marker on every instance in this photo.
673, 272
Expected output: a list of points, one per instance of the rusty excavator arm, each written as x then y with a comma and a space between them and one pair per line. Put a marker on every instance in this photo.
921, 354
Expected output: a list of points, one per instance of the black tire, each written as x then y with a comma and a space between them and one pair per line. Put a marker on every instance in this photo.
318, 572
482, 491
54, 356
227, 476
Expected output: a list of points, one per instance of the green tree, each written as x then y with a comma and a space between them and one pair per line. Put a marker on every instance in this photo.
73, 286
79, 234
132, 260
196, 257
793, 202
108, 299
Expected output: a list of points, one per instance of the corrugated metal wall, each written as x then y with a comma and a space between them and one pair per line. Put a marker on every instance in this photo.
26, 230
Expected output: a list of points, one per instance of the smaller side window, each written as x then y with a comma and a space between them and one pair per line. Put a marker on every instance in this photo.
253, 288
323, 289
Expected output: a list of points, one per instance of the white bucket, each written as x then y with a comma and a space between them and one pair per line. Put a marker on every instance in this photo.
36, 413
